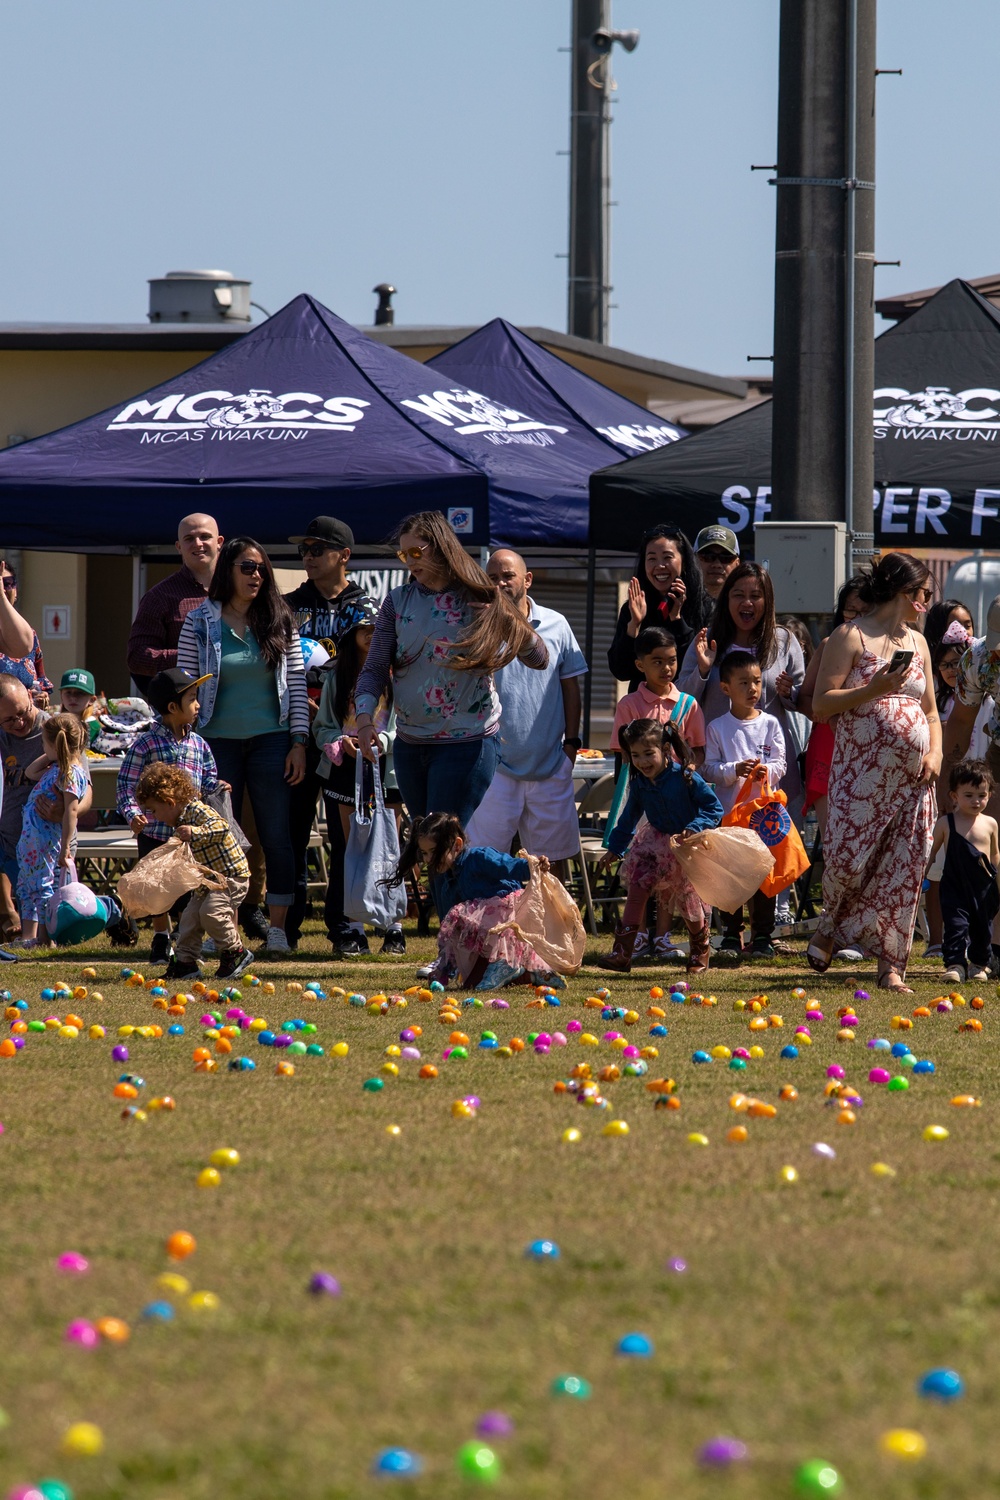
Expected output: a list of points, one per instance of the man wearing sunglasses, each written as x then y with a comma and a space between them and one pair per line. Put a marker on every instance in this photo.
325, 607
152, 643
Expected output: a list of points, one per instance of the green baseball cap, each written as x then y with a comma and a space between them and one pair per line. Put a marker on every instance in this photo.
79, 677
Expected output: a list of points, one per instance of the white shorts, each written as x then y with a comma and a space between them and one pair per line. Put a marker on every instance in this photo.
542, 813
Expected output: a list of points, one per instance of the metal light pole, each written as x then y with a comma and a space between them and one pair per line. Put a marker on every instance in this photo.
822, 463
590, 166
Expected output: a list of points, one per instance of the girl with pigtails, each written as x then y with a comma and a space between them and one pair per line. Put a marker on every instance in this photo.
677, 804
45, 847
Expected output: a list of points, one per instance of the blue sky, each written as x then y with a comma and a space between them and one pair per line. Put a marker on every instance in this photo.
320, 146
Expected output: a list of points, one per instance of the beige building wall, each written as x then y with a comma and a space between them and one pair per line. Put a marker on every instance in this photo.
52, 591
42, 389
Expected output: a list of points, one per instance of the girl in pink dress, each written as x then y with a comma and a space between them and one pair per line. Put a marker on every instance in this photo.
886, 759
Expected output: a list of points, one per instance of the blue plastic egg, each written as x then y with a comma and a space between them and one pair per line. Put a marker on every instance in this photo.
543, 1250
397, 1462
636, 1345
701, 1057
175, 1030
658, 1031
941, 1385
923, 1066
241, 1065
265, 1038
789, 1051
900, 1049
158, 1311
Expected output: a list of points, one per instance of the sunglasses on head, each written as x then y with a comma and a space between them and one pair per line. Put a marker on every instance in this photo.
413, 554
316, 549
248, 568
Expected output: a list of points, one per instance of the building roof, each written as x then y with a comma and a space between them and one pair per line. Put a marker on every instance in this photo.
696, 415
898, 309
137, 336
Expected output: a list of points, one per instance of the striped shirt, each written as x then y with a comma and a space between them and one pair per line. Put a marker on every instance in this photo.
213, 843
191, 753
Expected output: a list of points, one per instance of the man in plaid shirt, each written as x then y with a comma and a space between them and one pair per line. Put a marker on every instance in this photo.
174, 695
169, 796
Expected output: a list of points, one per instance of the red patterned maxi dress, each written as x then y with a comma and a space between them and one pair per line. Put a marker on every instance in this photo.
881, 820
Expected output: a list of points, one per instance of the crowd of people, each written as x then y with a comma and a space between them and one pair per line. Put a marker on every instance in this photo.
459, 697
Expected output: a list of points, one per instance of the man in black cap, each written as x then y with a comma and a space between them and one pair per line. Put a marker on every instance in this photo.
324, 607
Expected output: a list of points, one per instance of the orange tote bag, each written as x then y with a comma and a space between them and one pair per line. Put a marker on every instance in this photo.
764, 809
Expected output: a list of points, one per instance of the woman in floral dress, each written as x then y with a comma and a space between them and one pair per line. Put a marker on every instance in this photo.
886, 759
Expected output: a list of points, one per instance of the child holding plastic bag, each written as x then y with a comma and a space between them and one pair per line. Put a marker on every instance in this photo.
678, 804
475, 892
44, 848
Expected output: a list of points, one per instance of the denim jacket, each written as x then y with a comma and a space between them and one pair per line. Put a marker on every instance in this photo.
199, 650
672, 804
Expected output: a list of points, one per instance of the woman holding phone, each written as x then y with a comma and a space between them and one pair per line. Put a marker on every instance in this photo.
876, 677
667, 590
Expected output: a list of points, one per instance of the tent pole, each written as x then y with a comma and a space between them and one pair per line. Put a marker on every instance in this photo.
588, 644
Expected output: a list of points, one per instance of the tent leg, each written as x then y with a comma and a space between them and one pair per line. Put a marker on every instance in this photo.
588, 644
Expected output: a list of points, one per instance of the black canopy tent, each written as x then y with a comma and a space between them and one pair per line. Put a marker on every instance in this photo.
936, 430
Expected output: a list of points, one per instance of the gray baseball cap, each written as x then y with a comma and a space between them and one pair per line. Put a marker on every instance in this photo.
717, 536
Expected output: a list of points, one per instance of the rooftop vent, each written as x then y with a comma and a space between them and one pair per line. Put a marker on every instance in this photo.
199, 297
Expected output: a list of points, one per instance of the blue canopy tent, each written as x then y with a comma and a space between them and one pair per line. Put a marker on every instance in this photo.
499, 358
303, 414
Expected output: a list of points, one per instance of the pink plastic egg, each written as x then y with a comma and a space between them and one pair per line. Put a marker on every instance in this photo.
574, 1026
878, 1075
835, 1071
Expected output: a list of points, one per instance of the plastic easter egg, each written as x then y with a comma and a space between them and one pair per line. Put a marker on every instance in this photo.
737, 1135
204, 1302
475, 1461
924, 1065
571, 1385
817, 1477
882, 1169
322, 1284
878, 1075
903, 1442
789, 1052
941, 1385
373, 1085
73, 1263
428, 1071
821, 1149
225, 1156
543, 1250
720, 1451
935, 1133
81, 1333
181, 1244
113, 1330
340, 1049
615, 1128
158, 1312
701, 1057
967, 1101
788, 1174
397, 1463
898, 1085
696, 1138
908, 1061
54, 1489
169, 1281
571, 1136
208, 1177
495, 1424
635, 1346
242, 1065
83, 1440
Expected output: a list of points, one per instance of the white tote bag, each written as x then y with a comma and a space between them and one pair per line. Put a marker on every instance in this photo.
372, 855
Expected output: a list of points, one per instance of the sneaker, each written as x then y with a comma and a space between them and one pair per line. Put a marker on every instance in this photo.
667, 948
277, 943
955, 975
497, 975
850, 955
394, 941
933, 950
762, 948
161, 949
123, 934
979, 975
235, 961
350, 944
253, 920
7, 958
641, 947
783, 914
732, 945
547, 977
438, 970
181, 968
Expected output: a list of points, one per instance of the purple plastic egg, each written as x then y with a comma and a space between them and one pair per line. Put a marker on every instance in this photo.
944, 1006
574, 1026
720, 1451
18, 1042
494, 1424
446, 1053
283, 1040
500, 1004
322, 1284
802, 1031
544, 1038
835, 1071
677, 1265
406, 1035
472, 1100
83, 1333
879, 1075
208, 1020
542, 1049
25, 1492
411, 1054
245, 1022
861, 995
814, 1015
120, 1053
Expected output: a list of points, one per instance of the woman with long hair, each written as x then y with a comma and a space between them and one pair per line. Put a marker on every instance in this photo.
876, 679
439, 638
254, 710
667, 589
819, 751
744, 620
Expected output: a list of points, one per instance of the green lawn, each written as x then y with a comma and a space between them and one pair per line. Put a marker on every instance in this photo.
805, 1317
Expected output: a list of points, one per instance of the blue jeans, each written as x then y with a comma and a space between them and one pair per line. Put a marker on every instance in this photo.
257, 766
449, 777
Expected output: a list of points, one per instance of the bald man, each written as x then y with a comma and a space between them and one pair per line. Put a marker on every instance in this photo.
531, 794
152, 643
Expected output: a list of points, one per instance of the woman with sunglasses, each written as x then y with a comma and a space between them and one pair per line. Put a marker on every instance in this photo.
439, 638
876, 678
254, 709
20, 653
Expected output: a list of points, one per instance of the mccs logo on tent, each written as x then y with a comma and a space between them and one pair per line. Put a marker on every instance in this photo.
938, 413
469, 414
221, 415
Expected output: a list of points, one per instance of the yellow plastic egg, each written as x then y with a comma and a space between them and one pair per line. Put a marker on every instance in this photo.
204, 1302
208, 1177
882, 1169
96, 1033
340, 1049
571, 1136
721, 1052
169, 1281
393, 1051
935, 1133
788, 1174
615, 1127
225, 1156
756, 1052
903, 1442
393, 1130
83, 1440
72, 1032
391, 1068
697, 1139
587, 1039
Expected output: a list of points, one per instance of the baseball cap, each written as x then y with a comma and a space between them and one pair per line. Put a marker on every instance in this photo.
993, 626
327, 529
717, 536
363, 611
79, 677
170, 686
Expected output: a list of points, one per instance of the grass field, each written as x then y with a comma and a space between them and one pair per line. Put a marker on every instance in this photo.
805, 1317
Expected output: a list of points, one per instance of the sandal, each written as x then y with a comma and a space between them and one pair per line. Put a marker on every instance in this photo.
899, 988
819, 959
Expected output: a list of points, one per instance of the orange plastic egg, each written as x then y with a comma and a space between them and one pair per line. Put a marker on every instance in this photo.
977, 1002
459, 1039
428, 1071
846, 1117
125, 1091
223, 1045
788, 1092
516, 1044
201, 1053
758, 1110
737, 1135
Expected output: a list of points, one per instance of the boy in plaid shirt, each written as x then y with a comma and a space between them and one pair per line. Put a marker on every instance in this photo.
168, 794
173, 694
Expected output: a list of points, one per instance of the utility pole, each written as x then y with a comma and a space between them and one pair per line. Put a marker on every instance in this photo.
822, 463
590, 167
